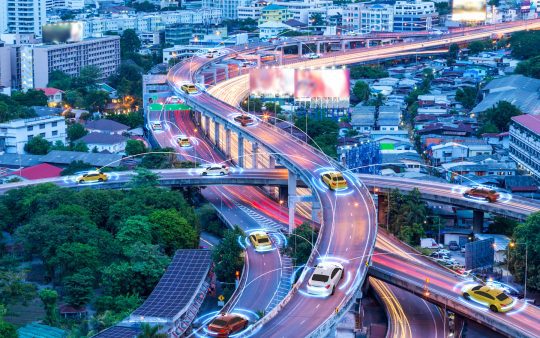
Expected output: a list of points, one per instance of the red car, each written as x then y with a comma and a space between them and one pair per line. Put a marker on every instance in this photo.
227, 324
244, 120
485, 193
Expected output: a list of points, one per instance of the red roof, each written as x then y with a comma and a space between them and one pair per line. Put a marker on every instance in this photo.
50, 91
531, 122
43, 170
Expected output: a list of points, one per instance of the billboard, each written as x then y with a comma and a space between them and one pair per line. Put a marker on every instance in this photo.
469, 10
303, 84
271, 82
322, 83
62, 32
479, 254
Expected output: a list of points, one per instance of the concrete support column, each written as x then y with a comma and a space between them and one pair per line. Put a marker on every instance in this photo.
283, 194
300, 49
216, 133
258, 61
478, 221
382, 209
240, 151
207, 125
292, 199
254, 154
228, 143
318, 48
316, 211
215, 75
272, 161
344, 45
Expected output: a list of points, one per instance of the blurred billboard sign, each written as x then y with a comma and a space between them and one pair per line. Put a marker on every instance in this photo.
62, 32
322, 83
469, 10
273, 82
480, 254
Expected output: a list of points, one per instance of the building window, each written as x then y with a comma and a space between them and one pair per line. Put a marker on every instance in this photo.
30, 128
30, 137
42, 126
54, 124
55, 133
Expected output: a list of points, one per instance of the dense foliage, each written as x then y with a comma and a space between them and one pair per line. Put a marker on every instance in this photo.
227, 255
527, 241
406, 215
367, 72
300, 243
525, 44
497, 119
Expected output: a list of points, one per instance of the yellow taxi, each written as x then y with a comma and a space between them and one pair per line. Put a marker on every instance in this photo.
495, 299
334, 180
260, 240
183, 141
92, 176
189, 88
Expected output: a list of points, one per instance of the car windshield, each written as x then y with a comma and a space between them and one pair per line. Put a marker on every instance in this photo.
219, 322
502, 297
319, 278
263, 240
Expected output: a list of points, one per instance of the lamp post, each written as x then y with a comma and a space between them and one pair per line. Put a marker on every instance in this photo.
513, 245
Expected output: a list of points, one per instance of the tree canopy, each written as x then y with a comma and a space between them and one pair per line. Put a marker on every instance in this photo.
497, 119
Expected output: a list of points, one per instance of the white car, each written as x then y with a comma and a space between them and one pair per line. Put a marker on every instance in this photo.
443, 251
324, 279
215, 169
156, 126
313, 56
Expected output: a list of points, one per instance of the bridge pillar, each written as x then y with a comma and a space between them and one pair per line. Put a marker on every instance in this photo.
215, 75
318, 48
254, 154
316, 212
382, 209
228, 143
207, 125
240, 151
478, 221
272, 161
299, 49
292, 199
344, 45
283, 195
216, 133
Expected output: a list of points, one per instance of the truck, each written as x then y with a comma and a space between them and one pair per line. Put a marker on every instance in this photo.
429, 243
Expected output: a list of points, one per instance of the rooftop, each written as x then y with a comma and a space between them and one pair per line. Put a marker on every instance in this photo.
43, 170
531, 122
102, 138
65, 157
49, 91
35, 330
106, 125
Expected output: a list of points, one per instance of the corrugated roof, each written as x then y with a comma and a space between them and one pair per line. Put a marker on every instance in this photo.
531, 122
65, 157
106, 125
36, 172
35, 330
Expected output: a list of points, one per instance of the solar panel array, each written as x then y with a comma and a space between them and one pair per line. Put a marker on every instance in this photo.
178, 285
119, 332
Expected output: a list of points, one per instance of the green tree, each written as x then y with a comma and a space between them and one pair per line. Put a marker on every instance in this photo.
37, 146
76, 131
173, 230
499, 116
227, 256
209, 220
136, 229
7, 330
88, 78
151, 331
525, 44
59, 80
467, 96
79, 288
527, 238
30, 98
79, 146
453, 52
129, 42
134, 147
367, 72
96, 100
361, 91
133, 119
49, 297
476, 47
300, 243
316, 19
74, 98
161, 160
74, 167
411, 234
323, 133
502, 225
529, 67
144, 178
73, 257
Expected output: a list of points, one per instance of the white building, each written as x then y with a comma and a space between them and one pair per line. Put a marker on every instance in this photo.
37, 61
112, 143
272, 29
448, 152
16, 133
229, 8
23, 16
414, 16
525, 143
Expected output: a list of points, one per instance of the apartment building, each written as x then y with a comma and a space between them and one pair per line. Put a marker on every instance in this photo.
414, 16
228, 8
23, 16
16, 133
525, 143
274, 13
38, 61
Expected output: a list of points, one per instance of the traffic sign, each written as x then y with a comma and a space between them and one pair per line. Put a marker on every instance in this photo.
221, 298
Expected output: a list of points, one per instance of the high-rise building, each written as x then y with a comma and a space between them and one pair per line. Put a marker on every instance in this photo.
229, 8
25, 16
414, 16
38, 61
525, 143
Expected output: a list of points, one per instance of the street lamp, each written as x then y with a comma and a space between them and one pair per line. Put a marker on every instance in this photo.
513, 245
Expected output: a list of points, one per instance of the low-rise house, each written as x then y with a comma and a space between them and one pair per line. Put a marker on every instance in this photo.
447, 152
106, 126
112, 143
39, 171
363, 118
454, 129
454, 171
15, 134
54, 96
389, 118
63, 158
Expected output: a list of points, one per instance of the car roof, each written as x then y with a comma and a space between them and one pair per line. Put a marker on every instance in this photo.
259, 234
228, 316
326, 268
94, 172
